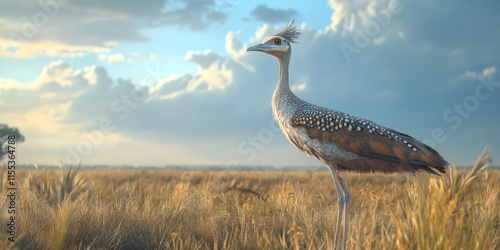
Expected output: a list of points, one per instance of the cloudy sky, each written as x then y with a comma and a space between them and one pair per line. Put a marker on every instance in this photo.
164, 82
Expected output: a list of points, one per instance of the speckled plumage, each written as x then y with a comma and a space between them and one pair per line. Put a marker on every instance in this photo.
355, 144
342, 142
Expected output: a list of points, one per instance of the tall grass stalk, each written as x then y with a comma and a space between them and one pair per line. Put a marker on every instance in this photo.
457, 211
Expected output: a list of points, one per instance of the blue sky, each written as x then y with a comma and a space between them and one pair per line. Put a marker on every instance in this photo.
170, 83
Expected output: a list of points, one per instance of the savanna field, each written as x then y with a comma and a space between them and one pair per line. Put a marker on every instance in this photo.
174, 209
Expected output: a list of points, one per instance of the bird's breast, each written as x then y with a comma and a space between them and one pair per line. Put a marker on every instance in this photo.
300, 138
324, 151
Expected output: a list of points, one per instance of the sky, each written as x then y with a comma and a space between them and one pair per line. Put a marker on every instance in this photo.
164, 82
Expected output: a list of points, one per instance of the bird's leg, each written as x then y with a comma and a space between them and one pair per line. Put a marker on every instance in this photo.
341, 200
348, 197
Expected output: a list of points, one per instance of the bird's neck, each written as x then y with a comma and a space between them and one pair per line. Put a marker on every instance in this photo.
283, 88
284, 101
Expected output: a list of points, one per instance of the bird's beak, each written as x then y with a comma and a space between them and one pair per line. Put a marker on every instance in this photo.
259, 47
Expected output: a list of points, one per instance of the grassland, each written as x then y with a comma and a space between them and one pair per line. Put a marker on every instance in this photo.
157, 209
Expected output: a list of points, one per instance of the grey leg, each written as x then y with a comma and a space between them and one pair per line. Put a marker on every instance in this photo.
341, 201
348, 198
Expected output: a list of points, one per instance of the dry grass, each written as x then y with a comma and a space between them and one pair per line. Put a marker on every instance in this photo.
156, 209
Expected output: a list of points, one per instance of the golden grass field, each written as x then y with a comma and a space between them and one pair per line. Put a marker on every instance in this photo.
173, 209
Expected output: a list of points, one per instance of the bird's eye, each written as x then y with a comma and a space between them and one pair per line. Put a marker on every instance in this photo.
277, 41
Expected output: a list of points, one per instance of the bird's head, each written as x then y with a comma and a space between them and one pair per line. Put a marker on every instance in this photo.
279, 43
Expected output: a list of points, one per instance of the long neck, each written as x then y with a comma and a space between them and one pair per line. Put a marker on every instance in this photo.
283, 87
284, 101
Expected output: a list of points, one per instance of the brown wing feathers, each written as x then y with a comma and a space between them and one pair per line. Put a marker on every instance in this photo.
368, 139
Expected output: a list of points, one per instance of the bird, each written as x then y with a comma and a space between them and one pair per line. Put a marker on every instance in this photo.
341, 141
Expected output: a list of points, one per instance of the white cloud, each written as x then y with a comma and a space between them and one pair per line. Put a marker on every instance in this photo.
298, 87
235, 48
7, 84
57, 71
485, 73
216, 76
116, 58
489, 71
49, 48
128, 57
111, 58
213, 74
350, 16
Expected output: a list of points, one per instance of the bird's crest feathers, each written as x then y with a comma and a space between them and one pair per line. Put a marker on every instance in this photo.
290, 33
